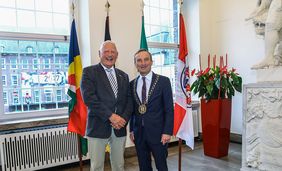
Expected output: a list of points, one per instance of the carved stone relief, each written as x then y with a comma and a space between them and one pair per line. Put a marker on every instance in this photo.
263, 124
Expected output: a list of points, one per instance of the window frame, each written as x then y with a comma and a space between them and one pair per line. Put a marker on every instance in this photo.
16, 97
4, 76
46, 65
25, 64
17, 79
167, 46
4, 63
7, 99
30, 115
16, 64
37, 64
59, 95
49, 92
37, 96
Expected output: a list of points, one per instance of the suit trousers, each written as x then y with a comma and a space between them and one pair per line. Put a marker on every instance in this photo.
97, 152
144, 149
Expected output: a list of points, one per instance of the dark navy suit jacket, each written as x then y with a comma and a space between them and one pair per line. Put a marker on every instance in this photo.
158, 119
99, 97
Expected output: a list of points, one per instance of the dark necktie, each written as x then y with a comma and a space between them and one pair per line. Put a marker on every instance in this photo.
144, 90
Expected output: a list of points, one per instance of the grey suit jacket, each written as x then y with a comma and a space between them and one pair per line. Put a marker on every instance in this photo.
99, 97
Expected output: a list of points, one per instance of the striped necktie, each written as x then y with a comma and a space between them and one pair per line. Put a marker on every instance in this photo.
112, 81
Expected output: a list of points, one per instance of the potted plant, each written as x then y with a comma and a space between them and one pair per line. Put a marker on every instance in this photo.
216, 86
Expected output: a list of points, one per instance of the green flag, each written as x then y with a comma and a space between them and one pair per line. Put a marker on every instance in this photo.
143, 42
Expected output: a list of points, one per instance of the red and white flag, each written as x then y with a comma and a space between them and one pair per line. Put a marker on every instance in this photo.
183, 119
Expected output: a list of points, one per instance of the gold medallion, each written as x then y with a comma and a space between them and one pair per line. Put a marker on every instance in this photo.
142, 109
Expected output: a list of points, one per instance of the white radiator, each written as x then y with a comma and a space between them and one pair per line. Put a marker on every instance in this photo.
195, 122
37, 149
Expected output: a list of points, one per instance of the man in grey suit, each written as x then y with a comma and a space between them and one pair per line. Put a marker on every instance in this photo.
106, 93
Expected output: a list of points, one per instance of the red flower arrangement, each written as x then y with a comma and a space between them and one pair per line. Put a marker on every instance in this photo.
217, 82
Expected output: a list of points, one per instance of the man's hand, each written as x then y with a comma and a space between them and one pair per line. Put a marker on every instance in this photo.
117, 122
131, 136
165, 138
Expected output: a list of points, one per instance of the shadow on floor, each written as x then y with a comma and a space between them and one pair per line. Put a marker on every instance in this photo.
193, 160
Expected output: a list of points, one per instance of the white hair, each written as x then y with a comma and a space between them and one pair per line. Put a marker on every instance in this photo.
106, 42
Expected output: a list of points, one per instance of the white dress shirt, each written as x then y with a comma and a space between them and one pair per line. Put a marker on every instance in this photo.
113, 72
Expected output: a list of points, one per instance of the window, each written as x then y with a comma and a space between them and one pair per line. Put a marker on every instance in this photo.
38, 31
36, 96
13, 63
24, 63
34, 16
14, 80
29, 49
40, 76
161, 21
3, 63
4, 80
35, 64
161, 26
57, 63
56, 50
46, 63
5, 97
59, 95
15, 98
48, 95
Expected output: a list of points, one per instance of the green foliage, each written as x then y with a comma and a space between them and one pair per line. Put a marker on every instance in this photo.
212, 80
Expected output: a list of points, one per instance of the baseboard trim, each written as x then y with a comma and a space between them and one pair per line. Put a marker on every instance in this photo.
235, 138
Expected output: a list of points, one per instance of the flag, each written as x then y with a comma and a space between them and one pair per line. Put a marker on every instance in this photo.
107, 30
77, 108
143, 42
183, 119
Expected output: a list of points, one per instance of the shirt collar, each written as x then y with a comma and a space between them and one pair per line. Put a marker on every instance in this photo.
105, 68
148, 76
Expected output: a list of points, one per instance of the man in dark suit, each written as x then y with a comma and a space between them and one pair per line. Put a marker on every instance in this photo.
151, 125
106, 93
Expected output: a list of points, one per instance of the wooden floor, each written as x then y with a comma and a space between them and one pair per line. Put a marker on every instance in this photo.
192, 160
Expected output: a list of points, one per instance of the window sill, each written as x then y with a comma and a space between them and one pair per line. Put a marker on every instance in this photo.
18, 123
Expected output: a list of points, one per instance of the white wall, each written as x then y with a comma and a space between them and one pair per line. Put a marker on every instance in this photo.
223, 29
125, 27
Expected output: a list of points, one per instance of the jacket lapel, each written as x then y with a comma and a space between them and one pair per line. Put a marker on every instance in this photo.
152, 83
135, 85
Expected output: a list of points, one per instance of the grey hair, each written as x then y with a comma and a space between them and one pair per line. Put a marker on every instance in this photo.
106, 42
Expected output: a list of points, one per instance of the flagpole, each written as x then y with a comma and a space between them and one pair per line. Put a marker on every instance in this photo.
107, 36
77, 135
79, 152
180, 140
107, 6
179, 153
183, 118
